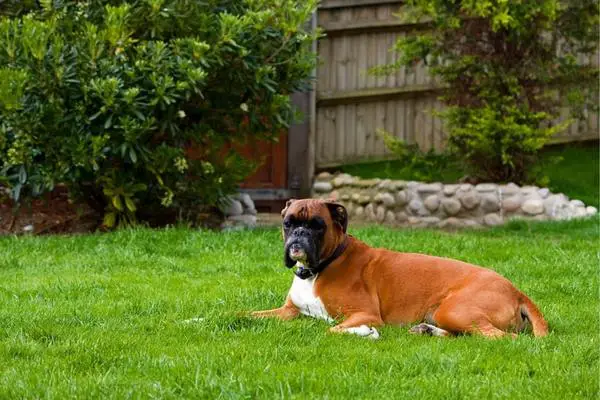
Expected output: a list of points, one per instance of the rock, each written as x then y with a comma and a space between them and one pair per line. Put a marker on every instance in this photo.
249, 221
398, 185
449, 190
554, 204
335, 195
367, 183
385, 184
246, 200
533, 206
364, 199
492, 219
390, 217
324, 176
432, 202
544, 192
233, 207
342, 180
430, 221
530, 191
380, 214
370, 212
402, 198
509, 190
486, 187
589, 210
451, 206
451, 222
512, 204
489, 202
350, 208
469, 199
465, 187
414, 220
355, 197
416, 206
388, 199
540, 217
401, 216
412, 184
359, 212
577, 203
28, 228
377, 198
580, 212
322, 187
429, 187
345, 197
469, 223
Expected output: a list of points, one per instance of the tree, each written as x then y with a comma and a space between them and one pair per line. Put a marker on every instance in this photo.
505, 67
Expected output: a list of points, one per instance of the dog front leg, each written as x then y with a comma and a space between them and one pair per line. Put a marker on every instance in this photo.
286, 312
360, 324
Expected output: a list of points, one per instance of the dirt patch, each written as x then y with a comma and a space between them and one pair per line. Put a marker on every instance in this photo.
51, 214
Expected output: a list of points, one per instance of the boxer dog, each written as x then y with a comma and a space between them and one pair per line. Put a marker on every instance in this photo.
338, 277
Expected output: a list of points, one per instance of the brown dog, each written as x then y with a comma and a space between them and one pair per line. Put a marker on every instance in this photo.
339, 276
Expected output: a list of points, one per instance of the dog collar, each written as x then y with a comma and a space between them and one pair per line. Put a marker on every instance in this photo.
305, 273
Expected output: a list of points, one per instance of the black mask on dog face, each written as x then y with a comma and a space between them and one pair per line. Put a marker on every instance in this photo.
303, 241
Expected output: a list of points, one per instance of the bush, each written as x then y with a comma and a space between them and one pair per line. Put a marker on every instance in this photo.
134, 105
505, 67
423, 166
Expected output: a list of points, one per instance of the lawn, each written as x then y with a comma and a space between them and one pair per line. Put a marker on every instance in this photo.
102, 316
577, 174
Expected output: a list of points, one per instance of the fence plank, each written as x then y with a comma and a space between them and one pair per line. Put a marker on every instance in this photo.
352, 104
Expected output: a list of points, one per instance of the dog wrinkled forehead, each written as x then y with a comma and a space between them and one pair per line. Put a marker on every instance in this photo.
305, 208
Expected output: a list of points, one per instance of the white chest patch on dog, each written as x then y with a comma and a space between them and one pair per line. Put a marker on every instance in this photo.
302, 294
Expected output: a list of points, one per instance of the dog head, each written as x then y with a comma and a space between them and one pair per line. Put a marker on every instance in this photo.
312, 230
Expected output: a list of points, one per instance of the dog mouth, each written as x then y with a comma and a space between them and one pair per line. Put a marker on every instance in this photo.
298, 254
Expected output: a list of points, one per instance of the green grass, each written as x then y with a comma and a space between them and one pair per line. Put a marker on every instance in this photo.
100, 316
577, 174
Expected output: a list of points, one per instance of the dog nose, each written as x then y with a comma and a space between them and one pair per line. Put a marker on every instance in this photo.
301, 231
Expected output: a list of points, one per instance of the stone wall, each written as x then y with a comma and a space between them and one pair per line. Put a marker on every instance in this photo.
419, 204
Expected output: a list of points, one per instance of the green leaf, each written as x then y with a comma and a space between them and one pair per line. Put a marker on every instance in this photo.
130, 204
132, 155
116, 202
109, 219
108, 122
22, 174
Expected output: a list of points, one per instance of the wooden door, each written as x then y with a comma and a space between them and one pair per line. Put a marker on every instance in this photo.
272, 174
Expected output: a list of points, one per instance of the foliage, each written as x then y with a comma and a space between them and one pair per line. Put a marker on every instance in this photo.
506, 67
425, 166
138, 107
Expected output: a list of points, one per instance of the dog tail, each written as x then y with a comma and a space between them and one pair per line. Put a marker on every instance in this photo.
530, 311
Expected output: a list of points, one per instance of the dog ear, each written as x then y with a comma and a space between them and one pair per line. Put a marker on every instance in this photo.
339, 215
287, 205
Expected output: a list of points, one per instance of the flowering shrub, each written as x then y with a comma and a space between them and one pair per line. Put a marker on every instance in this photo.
132, 105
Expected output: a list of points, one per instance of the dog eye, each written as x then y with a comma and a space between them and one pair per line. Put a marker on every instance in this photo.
287, 223
316, 223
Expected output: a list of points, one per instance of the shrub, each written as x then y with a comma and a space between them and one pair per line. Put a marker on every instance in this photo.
422, 165
137, 107
506, 67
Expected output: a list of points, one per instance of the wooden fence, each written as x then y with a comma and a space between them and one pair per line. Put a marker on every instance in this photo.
351, 105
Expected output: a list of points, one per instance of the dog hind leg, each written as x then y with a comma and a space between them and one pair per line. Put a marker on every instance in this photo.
428, 329
460, 315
